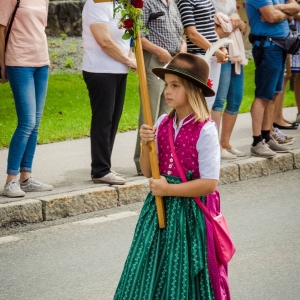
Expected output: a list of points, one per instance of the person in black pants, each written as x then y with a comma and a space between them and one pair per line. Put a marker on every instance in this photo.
107, 58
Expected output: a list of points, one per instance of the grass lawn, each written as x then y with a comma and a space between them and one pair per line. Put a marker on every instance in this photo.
67, 111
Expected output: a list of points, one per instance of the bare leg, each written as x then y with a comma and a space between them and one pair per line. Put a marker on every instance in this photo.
24, 176
10, 178
278, 116
257, 114
297, 91
228, 122
216, 116
269, 114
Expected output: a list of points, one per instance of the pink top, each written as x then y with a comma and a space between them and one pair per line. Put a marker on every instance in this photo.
27, 44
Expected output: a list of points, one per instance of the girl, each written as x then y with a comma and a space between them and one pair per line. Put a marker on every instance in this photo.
25, 65
179, 262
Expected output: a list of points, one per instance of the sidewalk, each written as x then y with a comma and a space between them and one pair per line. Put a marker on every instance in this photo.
66, 165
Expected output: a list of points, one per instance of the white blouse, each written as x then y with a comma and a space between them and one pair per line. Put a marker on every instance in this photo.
207, 146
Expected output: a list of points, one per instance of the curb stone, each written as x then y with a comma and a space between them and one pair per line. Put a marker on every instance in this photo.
229, 173
87, 200
296, 158
134, 191
78, 202
29, 211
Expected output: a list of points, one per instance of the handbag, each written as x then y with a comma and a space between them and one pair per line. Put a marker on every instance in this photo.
224, 246
9, 28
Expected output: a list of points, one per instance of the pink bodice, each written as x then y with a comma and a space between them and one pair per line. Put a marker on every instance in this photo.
185, 146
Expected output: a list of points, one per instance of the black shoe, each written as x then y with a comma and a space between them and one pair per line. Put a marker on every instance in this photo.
292, 126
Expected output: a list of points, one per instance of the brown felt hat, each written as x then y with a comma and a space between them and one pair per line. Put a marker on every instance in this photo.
190, 67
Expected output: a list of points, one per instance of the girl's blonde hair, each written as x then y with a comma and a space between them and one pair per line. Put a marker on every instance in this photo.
196, 100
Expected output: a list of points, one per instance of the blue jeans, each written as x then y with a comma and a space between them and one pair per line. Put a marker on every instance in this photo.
231, 88
29, 87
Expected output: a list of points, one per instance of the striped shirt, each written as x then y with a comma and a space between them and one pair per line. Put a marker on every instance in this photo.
198, 13
163, 23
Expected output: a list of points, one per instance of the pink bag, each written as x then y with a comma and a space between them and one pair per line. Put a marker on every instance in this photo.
223, 244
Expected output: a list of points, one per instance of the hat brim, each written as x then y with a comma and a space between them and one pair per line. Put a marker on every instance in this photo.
206, 90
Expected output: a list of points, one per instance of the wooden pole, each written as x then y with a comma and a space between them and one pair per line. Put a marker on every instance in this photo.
148, 120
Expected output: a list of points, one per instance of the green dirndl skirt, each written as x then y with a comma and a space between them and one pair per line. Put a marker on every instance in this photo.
170, 263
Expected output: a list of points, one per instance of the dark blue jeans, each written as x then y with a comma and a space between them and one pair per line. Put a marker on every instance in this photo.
269, 74
29, 87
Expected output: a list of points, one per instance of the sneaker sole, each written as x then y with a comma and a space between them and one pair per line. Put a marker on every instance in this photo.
37, 190
14, 196
281, 151
228, 158
95, 180
263, 156
287, 143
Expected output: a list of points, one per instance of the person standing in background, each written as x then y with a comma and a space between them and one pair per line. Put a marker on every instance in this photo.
106, 60
268, 21
159, 46
197, 17
25, 64
231, 85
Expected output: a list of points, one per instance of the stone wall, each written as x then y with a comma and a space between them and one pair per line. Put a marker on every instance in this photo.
65, 17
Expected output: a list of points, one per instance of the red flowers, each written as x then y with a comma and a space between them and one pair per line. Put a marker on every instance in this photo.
128, 24
138, 3
209, 83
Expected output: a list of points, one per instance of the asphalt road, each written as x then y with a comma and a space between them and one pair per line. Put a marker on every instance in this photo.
82, 257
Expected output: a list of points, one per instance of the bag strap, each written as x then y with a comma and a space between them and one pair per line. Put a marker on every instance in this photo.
181, 173
11, 22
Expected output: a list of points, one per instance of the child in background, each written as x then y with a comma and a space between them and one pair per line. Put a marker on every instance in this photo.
179, 261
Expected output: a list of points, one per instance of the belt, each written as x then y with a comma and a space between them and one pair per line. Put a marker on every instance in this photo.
196, 51
173, 53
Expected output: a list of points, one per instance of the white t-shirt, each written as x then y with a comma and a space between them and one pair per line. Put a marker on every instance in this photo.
94, 59
207, 146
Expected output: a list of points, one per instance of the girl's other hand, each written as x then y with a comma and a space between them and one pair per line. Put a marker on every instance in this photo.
159, 187
147, 133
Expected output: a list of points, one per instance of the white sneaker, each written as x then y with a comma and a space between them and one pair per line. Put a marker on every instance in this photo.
227, 155
110, 178
13, 190
32, 184
236, 152
262, 150
281, 138
121, 175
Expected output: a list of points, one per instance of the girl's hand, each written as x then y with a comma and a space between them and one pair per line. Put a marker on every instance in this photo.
159, 187
222, 55
147, 133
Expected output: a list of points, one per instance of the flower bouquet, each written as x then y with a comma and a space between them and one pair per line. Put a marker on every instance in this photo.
130, 11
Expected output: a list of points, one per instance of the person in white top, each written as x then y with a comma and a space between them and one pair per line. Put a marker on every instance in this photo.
107, 58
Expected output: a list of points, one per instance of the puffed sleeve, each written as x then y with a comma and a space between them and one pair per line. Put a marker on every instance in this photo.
208, 148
